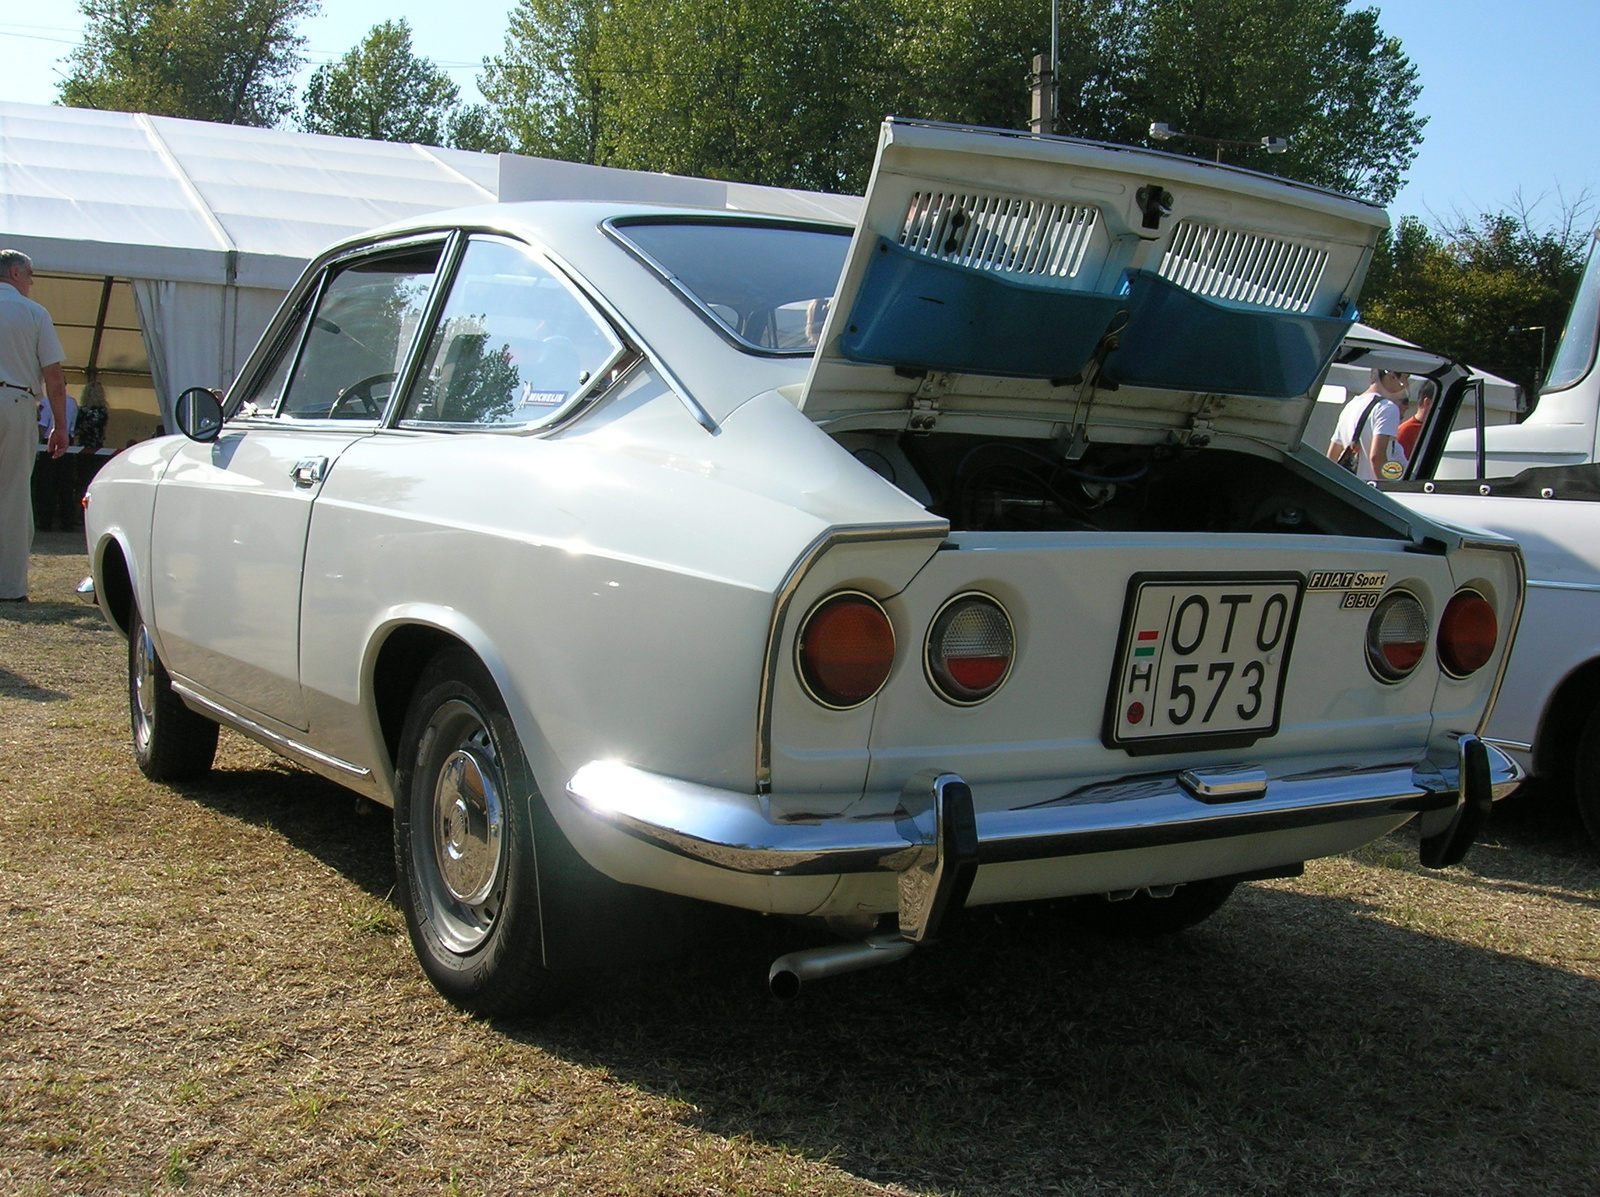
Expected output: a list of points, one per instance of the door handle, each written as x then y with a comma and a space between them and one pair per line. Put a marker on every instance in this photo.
309, 471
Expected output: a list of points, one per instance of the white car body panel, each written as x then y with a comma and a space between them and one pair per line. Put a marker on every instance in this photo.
1561, 615
634, 579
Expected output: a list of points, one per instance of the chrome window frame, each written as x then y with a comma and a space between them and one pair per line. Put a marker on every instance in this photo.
615, 227
311, 288
601, 379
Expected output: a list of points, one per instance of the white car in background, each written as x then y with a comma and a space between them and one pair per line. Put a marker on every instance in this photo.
1539, 483
967, 556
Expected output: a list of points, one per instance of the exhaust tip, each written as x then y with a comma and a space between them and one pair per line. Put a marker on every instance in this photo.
784, 983
789, 972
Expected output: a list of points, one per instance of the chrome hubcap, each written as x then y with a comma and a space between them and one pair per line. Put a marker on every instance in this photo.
144, 688
467, 827
463, 868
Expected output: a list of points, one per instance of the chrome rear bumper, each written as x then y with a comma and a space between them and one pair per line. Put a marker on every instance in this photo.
935, 840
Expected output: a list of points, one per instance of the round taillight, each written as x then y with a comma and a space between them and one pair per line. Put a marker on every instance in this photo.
845, 650
1397, 636
970, 649
1467, 633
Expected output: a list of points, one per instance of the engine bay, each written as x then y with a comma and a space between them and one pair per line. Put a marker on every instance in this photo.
994, 484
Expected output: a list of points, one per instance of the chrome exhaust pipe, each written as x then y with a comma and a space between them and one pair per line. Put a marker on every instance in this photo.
789, 972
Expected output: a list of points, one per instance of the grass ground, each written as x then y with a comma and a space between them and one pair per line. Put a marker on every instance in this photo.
208, 990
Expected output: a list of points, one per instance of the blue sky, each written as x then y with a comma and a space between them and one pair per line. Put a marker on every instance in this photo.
1508, 87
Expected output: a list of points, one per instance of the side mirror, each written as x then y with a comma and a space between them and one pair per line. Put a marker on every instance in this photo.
198, 413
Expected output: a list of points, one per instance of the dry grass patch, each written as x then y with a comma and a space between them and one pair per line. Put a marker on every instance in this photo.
208, 990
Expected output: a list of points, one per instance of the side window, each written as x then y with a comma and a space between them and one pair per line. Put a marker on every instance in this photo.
360, 333
263, 397
513, 346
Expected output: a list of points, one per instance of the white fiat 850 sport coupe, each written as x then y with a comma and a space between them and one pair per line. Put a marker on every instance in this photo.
965, 556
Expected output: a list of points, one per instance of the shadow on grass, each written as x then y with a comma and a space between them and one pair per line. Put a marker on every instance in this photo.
39, 612
1293, 1044
322, 819
14, 686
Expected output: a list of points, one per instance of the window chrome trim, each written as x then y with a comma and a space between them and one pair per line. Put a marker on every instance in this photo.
613, 227
581, 398
314, 284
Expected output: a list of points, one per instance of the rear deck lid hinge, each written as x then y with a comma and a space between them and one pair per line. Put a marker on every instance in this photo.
934, 386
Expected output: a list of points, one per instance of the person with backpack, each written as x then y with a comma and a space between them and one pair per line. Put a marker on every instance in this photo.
1364, 439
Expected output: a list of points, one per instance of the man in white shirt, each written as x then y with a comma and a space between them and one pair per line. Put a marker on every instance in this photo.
30, 366
1374, 417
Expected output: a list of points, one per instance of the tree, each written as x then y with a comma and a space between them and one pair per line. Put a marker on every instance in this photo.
381, 90
545, 87
475, 127
1461, 287
1326, 78
217, 60
790, 93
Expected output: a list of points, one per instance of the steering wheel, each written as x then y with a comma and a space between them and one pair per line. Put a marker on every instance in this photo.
359, 394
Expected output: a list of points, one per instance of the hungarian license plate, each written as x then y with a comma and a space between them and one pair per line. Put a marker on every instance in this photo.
1202, 660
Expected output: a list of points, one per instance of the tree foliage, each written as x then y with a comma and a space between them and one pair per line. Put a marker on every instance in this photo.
382, 90
1462, 287
217, 60
791, 93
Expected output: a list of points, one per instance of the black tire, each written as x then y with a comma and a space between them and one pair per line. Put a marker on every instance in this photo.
1144, 917
465, 867
170, 742
1586, 775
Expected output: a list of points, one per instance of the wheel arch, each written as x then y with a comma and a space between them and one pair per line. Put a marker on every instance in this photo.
114, 582
589, 919
1564, 714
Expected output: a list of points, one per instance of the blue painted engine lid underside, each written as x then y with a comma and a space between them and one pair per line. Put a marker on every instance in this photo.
915, 312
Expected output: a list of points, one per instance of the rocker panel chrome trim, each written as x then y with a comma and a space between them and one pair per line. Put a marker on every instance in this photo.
278, 742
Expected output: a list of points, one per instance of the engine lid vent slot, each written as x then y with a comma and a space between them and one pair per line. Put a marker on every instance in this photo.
1234, 266
1005, 234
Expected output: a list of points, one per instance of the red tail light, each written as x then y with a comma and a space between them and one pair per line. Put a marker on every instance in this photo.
970, 649
1397, 636
845, 650
1467, 633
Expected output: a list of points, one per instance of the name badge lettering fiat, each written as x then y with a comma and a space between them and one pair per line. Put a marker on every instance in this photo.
1346, 579
1203, 657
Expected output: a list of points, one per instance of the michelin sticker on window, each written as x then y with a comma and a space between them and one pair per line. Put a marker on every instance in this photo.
531, 398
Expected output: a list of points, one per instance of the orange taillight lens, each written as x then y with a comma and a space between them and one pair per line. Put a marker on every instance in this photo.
1467, 633
845, 650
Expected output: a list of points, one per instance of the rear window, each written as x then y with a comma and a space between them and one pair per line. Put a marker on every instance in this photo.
765, 286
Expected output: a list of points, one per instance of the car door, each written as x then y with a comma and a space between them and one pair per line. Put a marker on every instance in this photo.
231, 516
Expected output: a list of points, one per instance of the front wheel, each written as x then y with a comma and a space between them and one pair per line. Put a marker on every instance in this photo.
463, 842
1144, 917
170, 742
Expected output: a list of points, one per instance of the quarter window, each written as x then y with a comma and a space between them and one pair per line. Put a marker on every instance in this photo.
361, 331
515, 344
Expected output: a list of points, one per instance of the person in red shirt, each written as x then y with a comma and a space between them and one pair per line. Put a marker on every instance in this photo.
1411, 429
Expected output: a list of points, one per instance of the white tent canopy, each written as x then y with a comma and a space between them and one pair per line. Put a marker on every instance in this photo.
211, 224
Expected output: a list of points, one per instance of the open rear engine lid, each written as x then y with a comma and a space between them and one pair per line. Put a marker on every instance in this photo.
999, 280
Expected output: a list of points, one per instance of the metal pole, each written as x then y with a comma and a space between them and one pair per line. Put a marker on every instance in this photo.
1055, 62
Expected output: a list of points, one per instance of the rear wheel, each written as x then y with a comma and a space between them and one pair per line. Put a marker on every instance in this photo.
1143, 916
464, 849
1586, 775
170, 742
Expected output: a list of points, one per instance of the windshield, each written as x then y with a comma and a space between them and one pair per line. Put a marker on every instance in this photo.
1575, 354
766, 286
